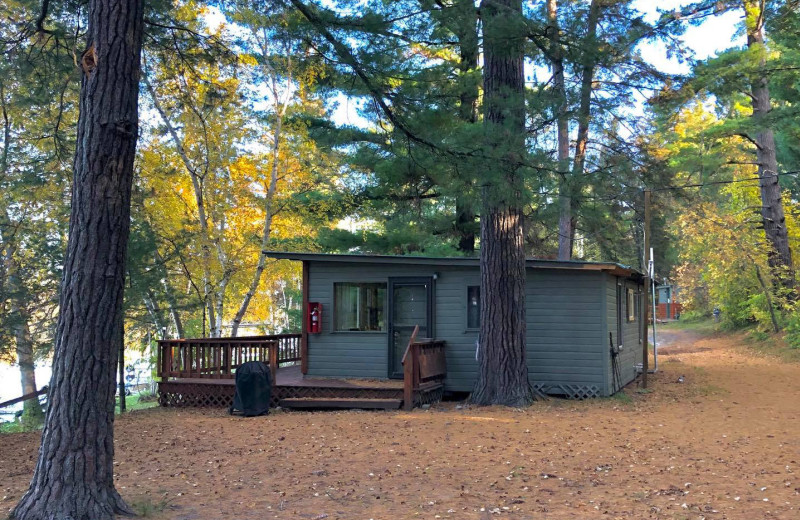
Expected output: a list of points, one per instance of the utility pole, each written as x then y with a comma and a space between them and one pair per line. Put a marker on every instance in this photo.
645, 303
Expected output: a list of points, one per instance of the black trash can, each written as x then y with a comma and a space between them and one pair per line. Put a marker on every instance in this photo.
253, 389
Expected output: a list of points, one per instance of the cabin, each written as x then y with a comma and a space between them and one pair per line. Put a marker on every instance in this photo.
668, 306
405, 328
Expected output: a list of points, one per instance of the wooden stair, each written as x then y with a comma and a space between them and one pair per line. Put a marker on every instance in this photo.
340, 403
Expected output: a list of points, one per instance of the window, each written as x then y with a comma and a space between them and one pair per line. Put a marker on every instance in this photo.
473, 307
631, 305
359, 306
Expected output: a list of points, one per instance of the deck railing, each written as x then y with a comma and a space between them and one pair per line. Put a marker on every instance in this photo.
218, 358
424, 365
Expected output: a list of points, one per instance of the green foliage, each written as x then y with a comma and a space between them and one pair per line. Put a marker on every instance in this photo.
695, 315
146, 507
792, 328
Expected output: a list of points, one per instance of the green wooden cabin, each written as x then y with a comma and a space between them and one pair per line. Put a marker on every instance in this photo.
366, 307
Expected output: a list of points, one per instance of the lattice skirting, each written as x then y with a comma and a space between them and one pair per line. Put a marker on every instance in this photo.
192, 394
570, 391
429, 396
181, 395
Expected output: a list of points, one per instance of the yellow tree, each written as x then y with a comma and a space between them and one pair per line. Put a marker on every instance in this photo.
723, 250
224, 177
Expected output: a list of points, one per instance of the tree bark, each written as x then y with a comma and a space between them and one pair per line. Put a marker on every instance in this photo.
176, 317
772, 213
502, 371
556, 56
10, 281
567, 186
466, 31
74, 475
31, 409
151, 304
170, 296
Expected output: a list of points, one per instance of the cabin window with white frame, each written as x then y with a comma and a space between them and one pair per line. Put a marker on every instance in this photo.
631, 305
474, 307
359, 307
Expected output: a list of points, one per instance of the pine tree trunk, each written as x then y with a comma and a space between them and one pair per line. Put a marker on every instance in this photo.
772, 214
31, 410
567, 186
562, 128
74, 475
466, 31
502, 372
20, 318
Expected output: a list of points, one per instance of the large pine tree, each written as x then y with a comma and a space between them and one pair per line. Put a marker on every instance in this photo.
74, 476
503, 373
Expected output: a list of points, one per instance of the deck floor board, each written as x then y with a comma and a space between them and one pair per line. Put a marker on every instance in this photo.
292, 376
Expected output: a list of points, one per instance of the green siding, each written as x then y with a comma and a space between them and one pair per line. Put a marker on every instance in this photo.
567, 311
631, 354
565, 327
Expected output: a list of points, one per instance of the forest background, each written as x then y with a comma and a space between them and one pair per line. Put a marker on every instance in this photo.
352, 127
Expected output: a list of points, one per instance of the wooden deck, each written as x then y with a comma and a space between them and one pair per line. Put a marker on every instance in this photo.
292, 376
289, 384
201, 373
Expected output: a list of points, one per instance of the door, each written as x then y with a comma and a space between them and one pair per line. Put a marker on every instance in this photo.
409, 306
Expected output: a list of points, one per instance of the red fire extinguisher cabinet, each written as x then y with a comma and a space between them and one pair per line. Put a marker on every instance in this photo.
314, 317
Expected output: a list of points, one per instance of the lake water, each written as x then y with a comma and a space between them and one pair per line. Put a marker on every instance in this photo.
11, 387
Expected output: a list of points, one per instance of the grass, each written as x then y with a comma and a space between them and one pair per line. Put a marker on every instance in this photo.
705, 326
146, 507
772, 345
621, 398
758, 341
137, 402
14, 427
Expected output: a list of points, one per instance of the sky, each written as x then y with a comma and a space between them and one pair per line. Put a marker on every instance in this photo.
714, 35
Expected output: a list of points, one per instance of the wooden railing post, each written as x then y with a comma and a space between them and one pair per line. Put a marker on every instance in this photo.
409, 368
273, 361
408, 383
159, 361
415, 352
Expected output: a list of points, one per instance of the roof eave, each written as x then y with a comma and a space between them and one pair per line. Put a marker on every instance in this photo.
613, 268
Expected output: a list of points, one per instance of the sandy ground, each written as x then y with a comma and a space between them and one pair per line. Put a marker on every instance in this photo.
722, 444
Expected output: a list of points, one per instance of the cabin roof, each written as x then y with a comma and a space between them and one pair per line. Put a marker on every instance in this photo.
456, 261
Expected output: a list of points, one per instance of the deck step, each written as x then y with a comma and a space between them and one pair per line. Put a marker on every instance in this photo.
341, 403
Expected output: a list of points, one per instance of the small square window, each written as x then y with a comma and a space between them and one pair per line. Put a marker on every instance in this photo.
631, 305
474, 307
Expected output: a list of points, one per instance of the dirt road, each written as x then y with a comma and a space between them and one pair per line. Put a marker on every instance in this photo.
722, 444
